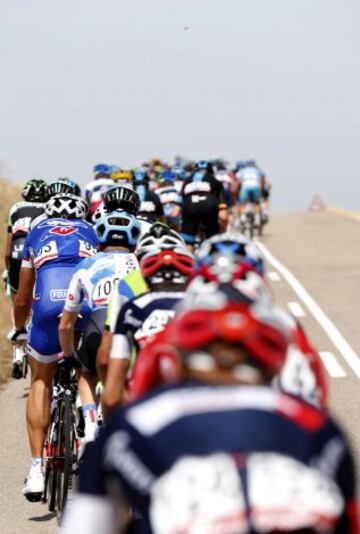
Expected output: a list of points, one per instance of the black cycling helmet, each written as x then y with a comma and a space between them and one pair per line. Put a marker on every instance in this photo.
71, 183
121, 198
61, 186
204, 165
35, 191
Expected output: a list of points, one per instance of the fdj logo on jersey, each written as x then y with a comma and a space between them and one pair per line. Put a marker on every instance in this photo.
63, 230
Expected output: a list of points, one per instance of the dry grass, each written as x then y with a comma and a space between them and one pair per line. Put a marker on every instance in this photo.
9, 194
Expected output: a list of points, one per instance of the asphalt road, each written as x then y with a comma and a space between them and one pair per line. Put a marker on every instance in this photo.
322, 251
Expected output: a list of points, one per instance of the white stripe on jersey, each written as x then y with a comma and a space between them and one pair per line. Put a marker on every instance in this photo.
172, 405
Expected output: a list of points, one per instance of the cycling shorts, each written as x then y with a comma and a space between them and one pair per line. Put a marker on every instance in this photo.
49, 299
91, 332
250, 193
14, 272
202, 215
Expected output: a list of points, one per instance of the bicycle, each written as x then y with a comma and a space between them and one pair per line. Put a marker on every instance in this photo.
62, 442
248, 221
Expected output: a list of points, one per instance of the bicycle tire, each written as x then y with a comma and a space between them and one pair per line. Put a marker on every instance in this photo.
50, 488
66, 443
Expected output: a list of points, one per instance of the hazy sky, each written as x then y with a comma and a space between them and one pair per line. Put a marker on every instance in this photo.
87, 81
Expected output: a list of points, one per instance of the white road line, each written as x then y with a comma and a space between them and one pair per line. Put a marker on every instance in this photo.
273, 276
332, 365
296, 309
333, 333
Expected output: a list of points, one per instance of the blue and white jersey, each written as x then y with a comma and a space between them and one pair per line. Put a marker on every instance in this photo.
250, 176
201, 458
141, 318
95, 278
53, 248
56, 242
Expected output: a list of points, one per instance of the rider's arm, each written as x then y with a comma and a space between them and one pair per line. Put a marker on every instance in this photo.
70, 314
66, 331
8, 250
24, 297
118, 366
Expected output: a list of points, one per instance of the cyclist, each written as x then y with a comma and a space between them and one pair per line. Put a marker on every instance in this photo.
20, 218
94, 190
59, 186
122, 177
92, 283
159, 237
204, 204
151, 207
251, 185
51, 252
170, 199
166, 272
220, 450
236, 264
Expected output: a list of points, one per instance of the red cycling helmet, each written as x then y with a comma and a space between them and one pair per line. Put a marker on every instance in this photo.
264, 338
178, 261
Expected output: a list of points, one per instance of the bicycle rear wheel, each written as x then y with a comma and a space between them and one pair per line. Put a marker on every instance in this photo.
67, 445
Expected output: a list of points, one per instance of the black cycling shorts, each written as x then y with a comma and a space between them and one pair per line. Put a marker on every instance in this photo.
201, 217
90, 339
14, 272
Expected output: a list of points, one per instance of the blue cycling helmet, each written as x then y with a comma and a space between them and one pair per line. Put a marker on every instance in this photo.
179, 172
102, 170
118, 228
239, 165
228, 252
203, 165
167, 176
72, 184
141, 176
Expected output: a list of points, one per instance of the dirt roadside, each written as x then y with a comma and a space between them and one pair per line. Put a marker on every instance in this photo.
9, 194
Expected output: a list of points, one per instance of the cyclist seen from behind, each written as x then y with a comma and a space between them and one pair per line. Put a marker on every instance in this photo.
20, 218
166, 272
204, 208
219, 450
93, 282
51, 253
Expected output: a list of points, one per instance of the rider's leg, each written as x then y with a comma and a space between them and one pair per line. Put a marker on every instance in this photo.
38, 404
86, 386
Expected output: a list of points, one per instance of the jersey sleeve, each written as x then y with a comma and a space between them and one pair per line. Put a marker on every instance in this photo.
27, 254
10, 221
117, 300
75, 294
120, 347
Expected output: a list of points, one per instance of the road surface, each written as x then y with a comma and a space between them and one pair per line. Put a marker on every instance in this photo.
314, 270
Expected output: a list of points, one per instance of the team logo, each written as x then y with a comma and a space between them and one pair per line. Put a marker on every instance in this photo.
63, 230
58, 294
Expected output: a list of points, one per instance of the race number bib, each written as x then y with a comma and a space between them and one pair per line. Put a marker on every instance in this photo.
21, 225
85, 249
46, 253
199, 495
103, 290
153, 324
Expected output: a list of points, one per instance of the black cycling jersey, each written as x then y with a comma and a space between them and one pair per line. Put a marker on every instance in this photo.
20, 217
196, 191
219, 459
202, 198
151, 207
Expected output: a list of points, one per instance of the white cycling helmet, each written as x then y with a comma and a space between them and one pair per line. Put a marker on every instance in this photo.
66, 206
159, 237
